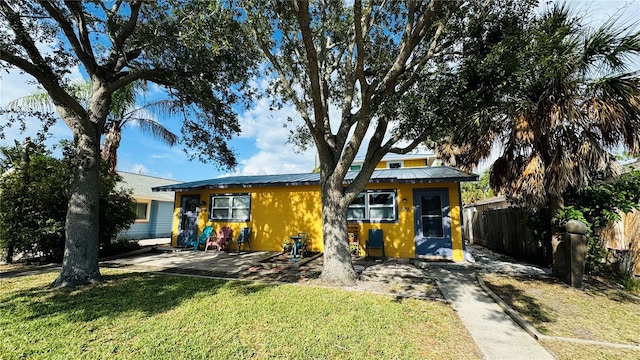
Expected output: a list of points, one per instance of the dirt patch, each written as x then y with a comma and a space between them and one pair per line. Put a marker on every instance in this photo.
393, 278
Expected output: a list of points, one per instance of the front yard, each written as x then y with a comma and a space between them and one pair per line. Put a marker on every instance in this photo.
600, 312
142, 315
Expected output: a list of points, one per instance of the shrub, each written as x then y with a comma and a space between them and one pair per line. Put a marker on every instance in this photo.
34, 200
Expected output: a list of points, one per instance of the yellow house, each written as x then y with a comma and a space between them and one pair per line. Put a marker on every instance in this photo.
419, 210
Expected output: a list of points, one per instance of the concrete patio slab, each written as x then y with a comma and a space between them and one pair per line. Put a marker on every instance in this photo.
227, 262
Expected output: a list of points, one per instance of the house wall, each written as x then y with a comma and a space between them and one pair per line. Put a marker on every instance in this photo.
161, 223
158, 226
278, 212
406, 163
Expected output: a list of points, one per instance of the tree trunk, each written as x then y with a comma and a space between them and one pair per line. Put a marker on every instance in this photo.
80, 262
337, 267
111, 144
10, 250
559, 265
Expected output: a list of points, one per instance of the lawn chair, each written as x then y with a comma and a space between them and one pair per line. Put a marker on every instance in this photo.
243, 238
301, 247
220, 241
375, 241
206, 232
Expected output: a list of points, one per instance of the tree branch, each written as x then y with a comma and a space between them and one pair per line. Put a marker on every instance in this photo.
87, 59
76, 9
410, 39
322, 123
118, 59
287, 86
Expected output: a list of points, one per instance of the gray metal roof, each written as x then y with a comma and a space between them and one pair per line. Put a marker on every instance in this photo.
406, 176
141, 186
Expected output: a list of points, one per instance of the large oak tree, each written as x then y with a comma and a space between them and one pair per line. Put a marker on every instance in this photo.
369, 77
192, 49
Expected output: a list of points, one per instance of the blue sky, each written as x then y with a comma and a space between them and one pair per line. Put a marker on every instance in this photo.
261, 147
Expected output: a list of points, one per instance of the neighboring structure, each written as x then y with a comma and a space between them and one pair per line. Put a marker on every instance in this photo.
395, 161
154, 211
418, 209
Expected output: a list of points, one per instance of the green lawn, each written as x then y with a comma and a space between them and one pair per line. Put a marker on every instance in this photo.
144, 316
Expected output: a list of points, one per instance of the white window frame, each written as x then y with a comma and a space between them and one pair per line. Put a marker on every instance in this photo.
368, 206
401, 162
229, 208
147, 212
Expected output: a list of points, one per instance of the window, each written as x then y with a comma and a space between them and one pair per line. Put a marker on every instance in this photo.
142, 212
373, 206
394, 165
355, 167
234, 207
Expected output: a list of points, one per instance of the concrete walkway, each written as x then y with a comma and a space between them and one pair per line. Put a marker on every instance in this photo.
495, 333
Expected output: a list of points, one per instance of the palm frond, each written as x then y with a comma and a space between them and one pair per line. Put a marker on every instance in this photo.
156, 130
611, 46
38, 100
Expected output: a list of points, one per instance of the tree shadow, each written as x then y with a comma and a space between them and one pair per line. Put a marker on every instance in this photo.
147, 293
525, 305
598, 286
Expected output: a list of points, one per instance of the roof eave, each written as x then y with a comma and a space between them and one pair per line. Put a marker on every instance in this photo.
306, 183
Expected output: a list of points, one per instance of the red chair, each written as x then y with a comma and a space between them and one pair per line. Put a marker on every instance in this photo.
220, 241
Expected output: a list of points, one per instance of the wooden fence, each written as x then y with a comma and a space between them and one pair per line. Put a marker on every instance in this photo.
623, 237
504, 231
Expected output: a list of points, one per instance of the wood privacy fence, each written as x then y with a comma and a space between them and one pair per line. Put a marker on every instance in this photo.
504, 231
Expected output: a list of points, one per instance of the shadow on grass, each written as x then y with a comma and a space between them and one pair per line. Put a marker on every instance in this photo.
596, 286
525, 305
133, 292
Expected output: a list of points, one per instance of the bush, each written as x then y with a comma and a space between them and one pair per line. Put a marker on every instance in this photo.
34, 199
595, 206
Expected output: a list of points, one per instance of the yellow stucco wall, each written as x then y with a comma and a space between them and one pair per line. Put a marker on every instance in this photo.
278, 212
405, 163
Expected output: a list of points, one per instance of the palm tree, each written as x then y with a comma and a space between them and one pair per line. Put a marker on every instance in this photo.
572, 99
124, 110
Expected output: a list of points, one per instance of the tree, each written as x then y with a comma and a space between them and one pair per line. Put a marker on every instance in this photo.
480, 190
368, 62
194, 50
572, 97
124, 110
34, 202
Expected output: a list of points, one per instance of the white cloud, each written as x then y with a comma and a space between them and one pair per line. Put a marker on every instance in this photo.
159, 156
136, 169
265, 126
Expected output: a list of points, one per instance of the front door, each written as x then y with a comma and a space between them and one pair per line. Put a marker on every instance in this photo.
188, 231
432, 222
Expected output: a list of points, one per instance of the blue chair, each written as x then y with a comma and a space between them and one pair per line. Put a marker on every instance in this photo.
243, 238
206, 232
376, 241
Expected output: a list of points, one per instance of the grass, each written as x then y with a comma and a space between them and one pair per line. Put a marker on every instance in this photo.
142, 315
571, 351
600, 312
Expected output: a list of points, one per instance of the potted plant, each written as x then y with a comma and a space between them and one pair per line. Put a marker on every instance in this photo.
286, 245
354, 248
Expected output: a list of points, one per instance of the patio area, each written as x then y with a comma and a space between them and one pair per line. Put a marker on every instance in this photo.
395, 277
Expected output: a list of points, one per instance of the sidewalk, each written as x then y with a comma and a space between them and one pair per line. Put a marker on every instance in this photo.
494, 332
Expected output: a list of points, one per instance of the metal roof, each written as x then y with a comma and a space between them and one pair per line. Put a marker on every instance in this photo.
406, 176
